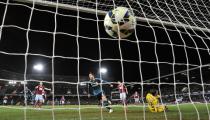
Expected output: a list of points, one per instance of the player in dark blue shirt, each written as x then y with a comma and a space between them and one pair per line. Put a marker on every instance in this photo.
96, 88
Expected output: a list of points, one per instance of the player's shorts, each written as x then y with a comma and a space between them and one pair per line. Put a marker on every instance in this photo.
159, 108
39, 97
62, 102
99, 96
123, 96
5, 101
136, 100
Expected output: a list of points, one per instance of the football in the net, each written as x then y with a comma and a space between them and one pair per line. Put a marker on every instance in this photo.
120, 22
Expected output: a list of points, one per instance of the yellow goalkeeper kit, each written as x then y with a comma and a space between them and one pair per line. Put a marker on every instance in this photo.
153, 103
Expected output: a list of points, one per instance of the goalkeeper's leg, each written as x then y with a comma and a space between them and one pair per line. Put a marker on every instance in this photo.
158, 108
161, 108
152, 108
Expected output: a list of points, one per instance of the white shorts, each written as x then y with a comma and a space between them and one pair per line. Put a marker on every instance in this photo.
136, 100
62, 102
123, 96
39, 97
5, 101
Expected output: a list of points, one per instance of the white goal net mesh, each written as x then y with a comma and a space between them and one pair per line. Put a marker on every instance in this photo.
58, 42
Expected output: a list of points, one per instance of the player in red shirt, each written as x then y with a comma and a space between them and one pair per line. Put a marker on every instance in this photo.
136, 97
123, 91
39, 91
62, 100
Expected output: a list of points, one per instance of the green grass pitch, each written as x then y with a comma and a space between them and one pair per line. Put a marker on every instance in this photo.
92, 112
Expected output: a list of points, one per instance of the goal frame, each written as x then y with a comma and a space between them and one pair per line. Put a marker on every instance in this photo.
100, 12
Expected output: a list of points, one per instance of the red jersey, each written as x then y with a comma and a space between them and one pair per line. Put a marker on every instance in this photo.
122, 88
136, 95
39, 90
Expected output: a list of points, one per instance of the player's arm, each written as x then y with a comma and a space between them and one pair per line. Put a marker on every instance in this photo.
104, 81
47, 88
36, 88
157, 96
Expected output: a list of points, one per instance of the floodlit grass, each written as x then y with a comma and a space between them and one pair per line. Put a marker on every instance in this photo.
92, 112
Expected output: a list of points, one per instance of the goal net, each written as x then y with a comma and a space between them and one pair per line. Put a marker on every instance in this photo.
60, 42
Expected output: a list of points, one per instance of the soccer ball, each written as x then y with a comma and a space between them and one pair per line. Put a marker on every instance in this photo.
121, 18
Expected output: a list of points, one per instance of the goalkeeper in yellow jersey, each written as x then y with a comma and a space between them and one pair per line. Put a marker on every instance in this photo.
153, 102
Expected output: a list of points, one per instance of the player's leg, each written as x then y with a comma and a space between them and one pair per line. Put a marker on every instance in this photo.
161, 108
157, 108
152, 104
122, 98
137, 100
105, 103
39, 100
4, 102
40, 103
110, 109
36, 101
152, 108
124, 101
43, 97
155, 104
99, 98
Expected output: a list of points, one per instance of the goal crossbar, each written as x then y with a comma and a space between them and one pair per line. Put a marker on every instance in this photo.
101, 12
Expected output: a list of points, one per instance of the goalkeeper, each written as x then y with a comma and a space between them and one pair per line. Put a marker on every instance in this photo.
153, 102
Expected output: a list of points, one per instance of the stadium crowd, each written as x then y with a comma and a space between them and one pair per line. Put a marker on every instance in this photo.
14, 94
